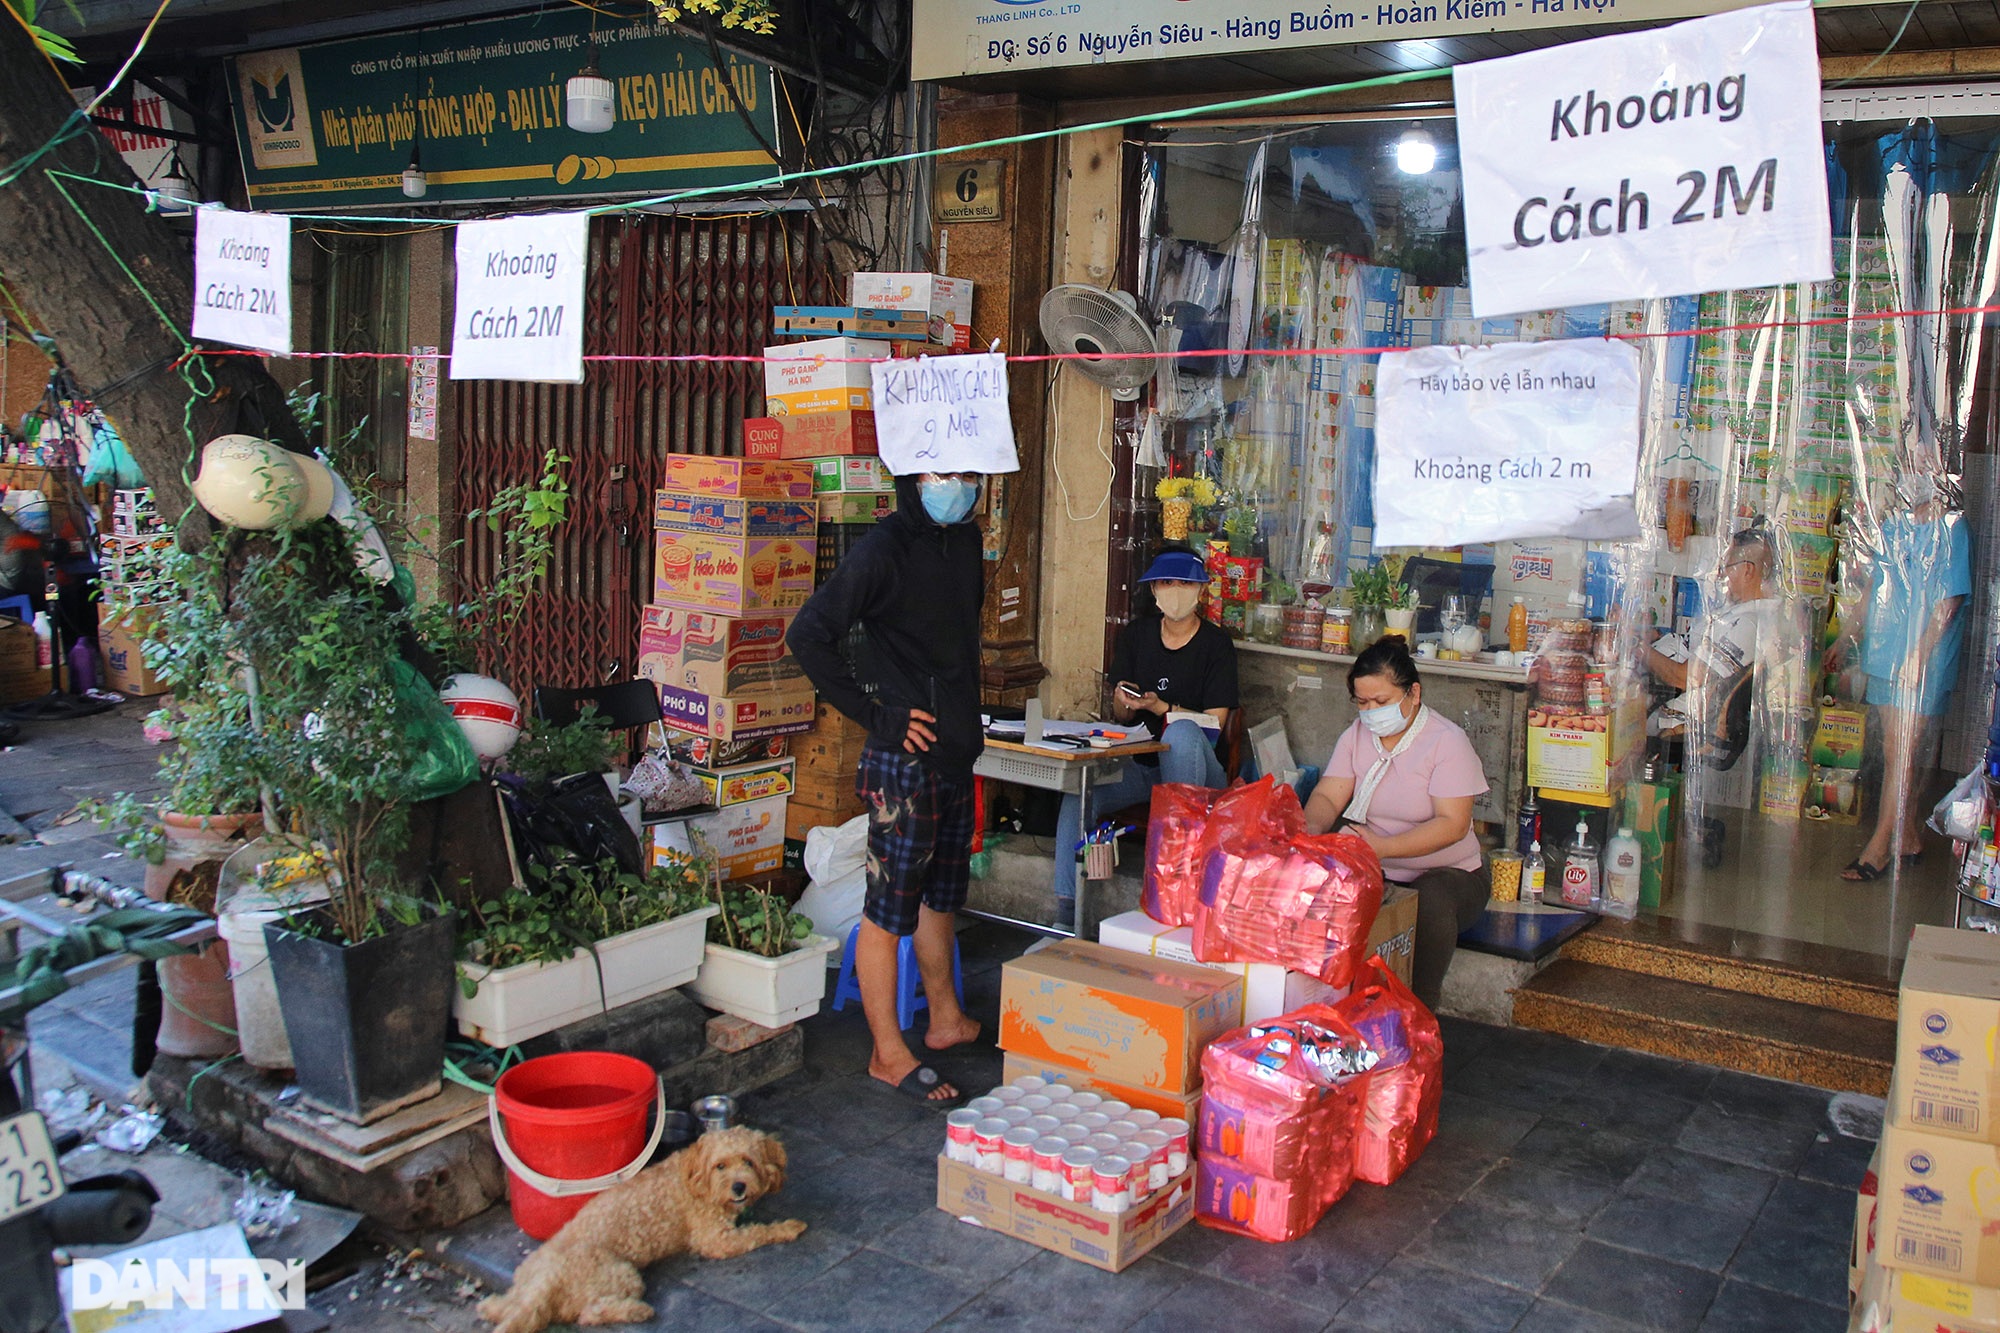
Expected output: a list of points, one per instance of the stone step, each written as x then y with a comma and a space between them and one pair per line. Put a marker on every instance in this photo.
1756, 1034
1735, 960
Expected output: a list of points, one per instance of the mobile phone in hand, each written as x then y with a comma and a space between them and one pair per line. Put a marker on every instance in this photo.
1130, 691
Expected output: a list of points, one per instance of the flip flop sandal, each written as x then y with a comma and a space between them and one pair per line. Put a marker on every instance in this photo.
921, 1082
1863, 872
1910, 858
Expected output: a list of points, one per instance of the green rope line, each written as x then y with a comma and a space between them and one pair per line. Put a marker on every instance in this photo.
918, 155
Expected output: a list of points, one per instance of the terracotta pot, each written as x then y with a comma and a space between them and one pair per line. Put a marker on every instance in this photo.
198, 1016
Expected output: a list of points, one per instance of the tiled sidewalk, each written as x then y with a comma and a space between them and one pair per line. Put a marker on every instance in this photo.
1570, 1188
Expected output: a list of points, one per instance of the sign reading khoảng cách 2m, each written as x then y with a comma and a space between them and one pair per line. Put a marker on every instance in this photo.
1663, 163
331, 125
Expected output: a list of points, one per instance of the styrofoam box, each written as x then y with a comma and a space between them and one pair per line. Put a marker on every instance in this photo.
1268, 989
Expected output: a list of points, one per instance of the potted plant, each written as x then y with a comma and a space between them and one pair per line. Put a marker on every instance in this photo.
1400, 610
576, 941
762, 962
346, 736
1368, 591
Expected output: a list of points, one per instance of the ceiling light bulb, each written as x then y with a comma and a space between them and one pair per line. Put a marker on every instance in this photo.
588, 95
415, 183
1416, 153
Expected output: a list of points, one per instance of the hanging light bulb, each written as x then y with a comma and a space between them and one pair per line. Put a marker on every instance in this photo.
588, 95
1416, 152
415, 183
175, 195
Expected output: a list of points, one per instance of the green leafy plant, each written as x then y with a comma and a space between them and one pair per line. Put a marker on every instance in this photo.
1400, 597
54, 45
547, 750
1371, 586
757, 921
132, 826
525, 517
571, 906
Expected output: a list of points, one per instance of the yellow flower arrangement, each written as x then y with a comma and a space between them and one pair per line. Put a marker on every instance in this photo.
755, 16
1199, 490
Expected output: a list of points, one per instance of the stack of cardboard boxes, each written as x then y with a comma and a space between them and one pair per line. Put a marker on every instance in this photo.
820, 416
732, 561
1927, 1239
131, 573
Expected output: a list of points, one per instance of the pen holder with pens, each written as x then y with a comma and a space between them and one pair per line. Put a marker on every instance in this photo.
1100, 858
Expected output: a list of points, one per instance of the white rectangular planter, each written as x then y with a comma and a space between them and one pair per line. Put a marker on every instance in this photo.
768, 991
516, 1003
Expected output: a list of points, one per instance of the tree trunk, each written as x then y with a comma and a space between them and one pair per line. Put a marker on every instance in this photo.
104, 327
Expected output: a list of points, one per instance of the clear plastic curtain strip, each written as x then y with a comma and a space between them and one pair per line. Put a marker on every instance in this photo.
1798, 641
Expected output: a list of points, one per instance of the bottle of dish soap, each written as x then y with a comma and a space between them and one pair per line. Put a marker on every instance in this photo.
1621, 874
1534, 874
1580, 871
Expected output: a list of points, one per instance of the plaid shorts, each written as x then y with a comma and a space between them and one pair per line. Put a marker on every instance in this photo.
919, 839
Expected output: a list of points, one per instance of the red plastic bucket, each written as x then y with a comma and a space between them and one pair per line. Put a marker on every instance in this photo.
575, 1125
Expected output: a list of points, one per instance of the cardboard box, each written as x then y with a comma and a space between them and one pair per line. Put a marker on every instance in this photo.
816, 435
748, 479
851, 474
22, 677
1131, 1019
1394, 938
1655, 815
732, 575
689, 511
857, 507
1946, 1018
736, 717
1268, 989
1933, 1203
825, 375
946, 303
1892, 1300
803, 819
819, 321
1528, 569
749, 838
716, 654
1184, 1105
834, 745
1579, 755
122, 639
1111, 1241
705, 752
740, 784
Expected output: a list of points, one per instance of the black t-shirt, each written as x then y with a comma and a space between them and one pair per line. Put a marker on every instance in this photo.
1198, 676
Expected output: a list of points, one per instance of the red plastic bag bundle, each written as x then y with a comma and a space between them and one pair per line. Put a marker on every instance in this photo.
1279, 1112
1306, 903
1174, 829
1399, 1108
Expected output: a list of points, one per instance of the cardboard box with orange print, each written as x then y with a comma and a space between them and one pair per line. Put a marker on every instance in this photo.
1891, 1300
1111, 1241
814, 435
1116, 1015
732, 575
738, 478
1181, 1105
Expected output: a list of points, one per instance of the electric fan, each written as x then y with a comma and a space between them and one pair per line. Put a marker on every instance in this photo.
1105, 327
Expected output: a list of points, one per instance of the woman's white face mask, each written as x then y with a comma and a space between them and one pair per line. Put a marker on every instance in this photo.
1177, 601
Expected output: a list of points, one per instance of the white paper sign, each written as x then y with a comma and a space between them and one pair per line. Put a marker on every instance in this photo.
243, 279
1680, 160
519, 309
944, 414
1486, 444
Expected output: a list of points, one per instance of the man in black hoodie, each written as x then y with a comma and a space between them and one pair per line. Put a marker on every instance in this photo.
914, 585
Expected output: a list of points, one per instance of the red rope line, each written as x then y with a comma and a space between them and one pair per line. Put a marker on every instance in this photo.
1030, 358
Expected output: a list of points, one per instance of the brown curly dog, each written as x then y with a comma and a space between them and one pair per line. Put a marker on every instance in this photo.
589, 1272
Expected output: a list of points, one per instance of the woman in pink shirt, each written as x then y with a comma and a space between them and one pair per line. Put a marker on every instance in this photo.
1404, 778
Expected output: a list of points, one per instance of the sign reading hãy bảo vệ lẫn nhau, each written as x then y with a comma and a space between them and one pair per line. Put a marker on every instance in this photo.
332, 125
1682, 160
519, 301
1485, 444
944, 414
243, 279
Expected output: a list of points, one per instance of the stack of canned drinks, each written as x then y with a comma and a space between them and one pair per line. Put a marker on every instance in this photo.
1072, 1143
